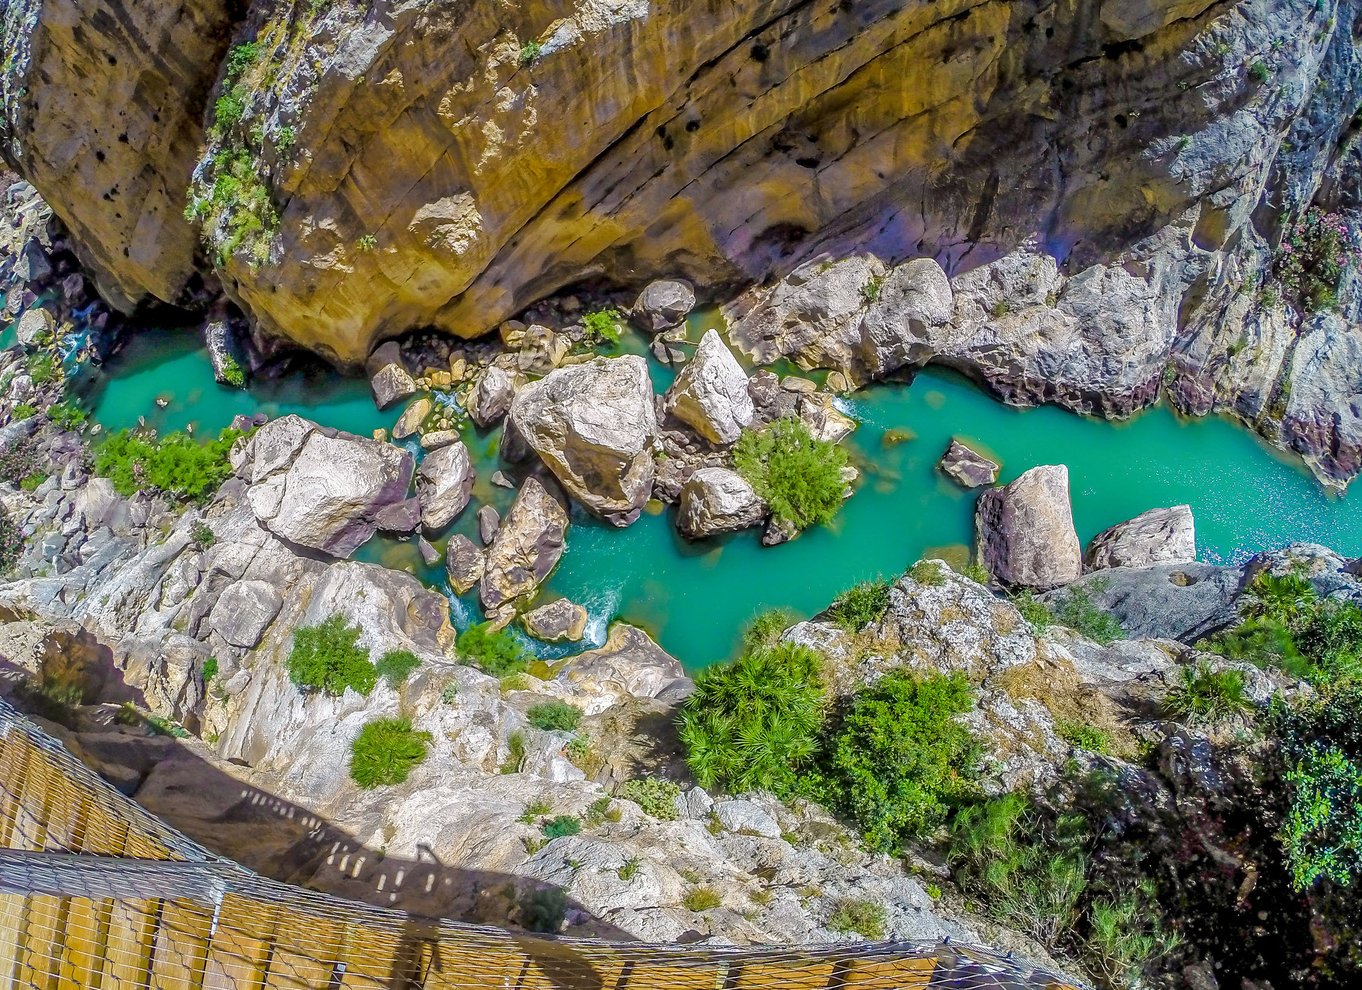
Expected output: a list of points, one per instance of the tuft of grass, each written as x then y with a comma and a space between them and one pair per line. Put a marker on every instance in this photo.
495, 651
449, 693
864, 917
1080, 613
202, 535
764, 629
535, 810
1036, 613
928, 573
556, 828
210, 669
554, 716
701, 898
870, 292
629, 868
1084, 736
860, 605
600, 811
515, 753
655, 795
798, 476
24, 411
385, 752
328, 657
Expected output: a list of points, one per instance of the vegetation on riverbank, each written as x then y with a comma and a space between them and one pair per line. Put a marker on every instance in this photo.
799, 476
175, 464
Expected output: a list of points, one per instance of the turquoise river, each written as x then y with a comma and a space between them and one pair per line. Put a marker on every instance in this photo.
695, 598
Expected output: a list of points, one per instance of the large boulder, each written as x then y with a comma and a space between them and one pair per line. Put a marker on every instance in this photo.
323, 489
560, 621
594, 426
1025, 530
716, 500
912, 306
34, 326
463, 563
526, 548
663, 304
967, 466
490, 399
444, 484
629, 665
710, 395
391, 384
1159, 536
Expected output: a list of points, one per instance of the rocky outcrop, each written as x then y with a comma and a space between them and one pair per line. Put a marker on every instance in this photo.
1159, 536
444, 484
559, 621
968, 467
716, 500
710, 394
1025, 530
595, 427
323, 489
525, 550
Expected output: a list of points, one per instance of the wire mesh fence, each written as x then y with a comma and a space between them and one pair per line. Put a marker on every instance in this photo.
97, 893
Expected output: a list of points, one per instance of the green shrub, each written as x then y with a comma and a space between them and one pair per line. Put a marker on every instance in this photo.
529, 52
396, 666
1259, 71
1204, 694
556, 828
535, 810
328, 657
210, 669
1034, 611
602, 326
754, 723
232, 372
798, 476
864, 917
235, 207
629, 868
898, 758
449, 693
32, 482
1084, 736
202, 535
385, 752
600, 811
1125, 934
764, 629
870, 291
860, 605
515, 753
43, 368
555, 716
174, 464
543, 909
700, 899
1315, 254
496, 652
655, 795
1080, 613
24, 411
927, 572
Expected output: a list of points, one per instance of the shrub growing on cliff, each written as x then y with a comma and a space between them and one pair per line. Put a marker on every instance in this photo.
327, 657
602, 326
175, 464
798, 476
1203, 694
754, 723
864, 917
898, 758
1314, 256
386, 751
396, 666
495, 651
1080, 613
860, 605
11, 543
655, 795
764, 629
554, 715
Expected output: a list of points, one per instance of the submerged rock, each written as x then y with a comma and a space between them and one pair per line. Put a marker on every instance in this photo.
1025, 531
710, 394
323, 489
560, 621
526, 548
464, 564
595, 427
967, 466
444, 484
1159, 536
663, 304
716, 500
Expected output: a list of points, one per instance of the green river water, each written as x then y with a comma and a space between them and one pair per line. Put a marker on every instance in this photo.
695, 598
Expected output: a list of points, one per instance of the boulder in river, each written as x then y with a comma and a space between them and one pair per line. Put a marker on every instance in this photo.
967, 466
1025, 530
412, 417
491, 397
489, 521
391, 384
912, 306
34, 326
444, 483
594, 425
323, 489
1159, 536
560, 621
663, 304
526, 548
716, 500
463, 564
710, 394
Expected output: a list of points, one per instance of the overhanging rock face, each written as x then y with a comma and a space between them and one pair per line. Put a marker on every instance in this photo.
94, 889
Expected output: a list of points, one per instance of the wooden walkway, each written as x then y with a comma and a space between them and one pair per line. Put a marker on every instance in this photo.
97, 894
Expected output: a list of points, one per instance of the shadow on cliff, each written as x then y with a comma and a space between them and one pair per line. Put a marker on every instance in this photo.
175, 780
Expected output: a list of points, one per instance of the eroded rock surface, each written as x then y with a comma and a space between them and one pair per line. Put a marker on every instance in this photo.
710, 394
1025, 530
716, 500
1159, 536
968, 467
526, 548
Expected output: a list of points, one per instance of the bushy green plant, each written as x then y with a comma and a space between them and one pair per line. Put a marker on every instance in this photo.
66, 416
386, 751
543, 909
24, 411
764, 629
232, 372
43, 368
860, 605
529, 51
174, 464
1079, 612
535, 810
449, 693
798, 476
1204, 694
1315, 253
32, 482
702, 898
202, 535
898, 758
1034, 611
928, 573
495, 651
602, 326
1124, 935
754, 723
555, 716
655, 795
556, 828
327, 657
210, 669
234, 204
396, 666
1084, 736
864, 917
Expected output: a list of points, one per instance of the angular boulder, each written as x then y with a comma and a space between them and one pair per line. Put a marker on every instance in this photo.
967, 466
489, 521
490, 399
1159, 536
594, 425
716, 500
663, 304
905, 322
526, 548
34, 325
463, 564
391, 384
630, 665
323, 489
444, 484
710, 395
560, 621
412, 417
1025, 531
